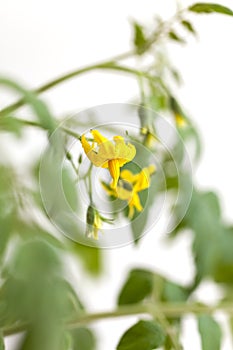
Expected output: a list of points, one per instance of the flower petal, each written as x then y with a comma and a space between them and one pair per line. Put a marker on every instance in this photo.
124, 152
143, 178
127, 175
114, 169
98, 137
86, 146
135, 201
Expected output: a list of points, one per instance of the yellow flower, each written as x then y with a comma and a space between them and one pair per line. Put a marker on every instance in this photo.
106, 154
129, 185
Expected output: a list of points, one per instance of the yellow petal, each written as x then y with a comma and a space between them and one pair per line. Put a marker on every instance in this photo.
127, 175
136, 202
124, 152
114, 170
86, 146
107, 150
98, 137
108, 154
143, 178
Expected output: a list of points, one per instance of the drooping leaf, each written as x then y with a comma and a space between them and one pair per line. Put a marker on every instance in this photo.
210, 333
137, 287
144, 335
210, 8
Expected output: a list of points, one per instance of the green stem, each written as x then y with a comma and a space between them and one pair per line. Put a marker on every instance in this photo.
90, 184
38, 125
108, 65
167, 309
71, 132
168, 329
122, 311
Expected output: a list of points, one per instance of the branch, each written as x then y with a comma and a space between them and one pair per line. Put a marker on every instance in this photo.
167, 309
108, 65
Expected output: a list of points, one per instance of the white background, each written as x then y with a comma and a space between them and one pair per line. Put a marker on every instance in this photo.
42, 39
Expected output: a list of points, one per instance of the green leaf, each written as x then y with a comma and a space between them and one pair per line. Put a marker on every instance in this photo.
173, 292
144, 335
210, 333
35, 257
83, 339
11, 124
188, 25
42, 337
223, 271
137, 287
139, 38
91, 257
41, 110
175, 37
204, 219
210, 8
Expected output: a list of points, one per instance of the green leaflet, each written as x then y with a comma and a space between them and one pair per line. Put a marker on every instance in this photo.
203, 7
175, 37
137, 287
141, 284
90, 257
139, 38
41, 110
210, 333
188, 26
144, 335
11, 124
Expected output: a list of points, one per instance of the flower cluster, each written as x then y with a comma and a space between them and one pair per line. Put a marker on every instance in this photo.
125, 185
